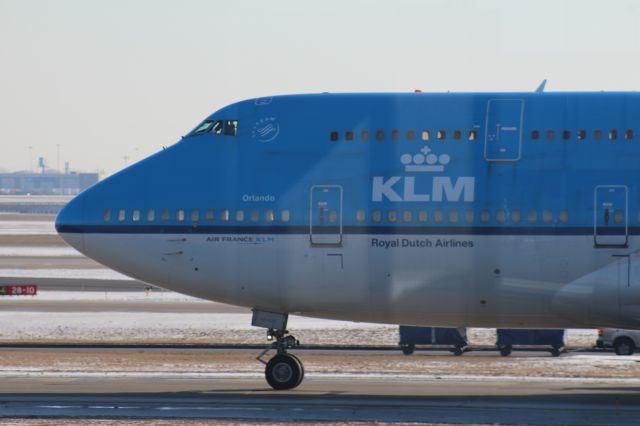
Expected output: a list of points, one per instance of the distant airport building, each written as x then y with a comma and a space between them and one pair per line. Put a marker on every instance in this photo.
49, 183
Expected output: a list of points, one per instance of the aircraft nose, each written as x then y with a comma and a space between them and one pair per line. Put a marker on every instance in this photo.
69, 223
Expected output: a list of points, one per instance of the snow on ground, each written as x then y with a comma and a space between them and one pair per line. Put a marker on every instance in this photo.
39, 251
128, 327
19, 227
93, 274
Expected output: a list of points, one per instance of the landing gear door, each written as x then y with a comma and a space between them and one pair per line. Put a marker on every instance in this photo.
325, 215
503, 138
611, 217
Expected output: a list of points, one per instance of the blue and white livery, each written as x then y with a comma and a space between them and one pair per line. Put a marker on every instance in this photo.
456, 209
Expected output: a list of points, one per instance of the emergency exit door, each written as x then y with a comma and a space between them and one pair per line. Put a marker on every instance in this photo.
503, 137
611, 221
325, 215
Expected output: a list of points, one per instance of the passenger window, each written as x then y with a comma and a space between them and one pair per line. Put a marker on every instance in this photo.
285, 216
582, 134
348, 135
515, 216
239, 215
180, 215
392, 216
216, 128
473, 135
597, 134
231, 127
224, 215
564, 216
484, 216
551, 134
457, 134
208, 215
376, 216
535, 135
468, 216
364, 135
628, 134
411, 135
333, 136
151, 215
501, 216
407, 216
453, 216
547, 216
379, 135
613, 134
360, 216
438, 216
333, 216
395, 134
532, 217
269, 216
426, 135
164, 215
441, 135
255, 215
422, 216
106, 215
135, 215
195, 215
566, 135
121, 215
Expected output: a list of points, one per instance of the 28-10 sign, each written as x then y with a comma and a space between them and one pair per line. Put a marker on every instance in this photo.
19, 290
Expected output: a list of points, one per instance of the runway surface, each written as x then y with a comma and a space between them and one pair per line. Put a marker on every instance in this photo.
323, 398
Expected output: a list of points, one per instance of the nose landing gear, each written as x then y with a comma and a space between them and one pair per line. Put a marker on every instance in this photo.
284, 370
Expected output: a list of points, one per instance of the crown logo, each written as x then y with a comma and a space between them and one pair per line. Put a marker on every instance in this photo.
425, 161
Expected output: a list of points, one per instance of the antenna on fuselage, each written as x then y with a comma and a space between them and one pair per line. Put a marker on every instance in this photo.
540, 88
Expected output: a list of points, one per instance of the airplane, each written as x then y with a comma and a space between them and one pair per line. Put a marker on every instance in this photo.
510, 210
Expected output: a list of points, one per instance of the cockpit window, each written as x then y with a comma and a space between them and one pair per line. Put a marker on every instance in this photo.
231, 127
217, 127
204, 127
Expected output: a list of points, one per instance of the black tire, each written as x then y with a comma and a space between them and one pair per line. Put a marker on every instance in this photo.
283, 372
555, 352
408, 349
301, 368
505, 350
457, 351
624, 346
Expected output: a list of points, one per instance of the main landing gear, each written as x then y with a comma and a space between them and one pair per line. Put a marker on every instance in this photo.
284, 370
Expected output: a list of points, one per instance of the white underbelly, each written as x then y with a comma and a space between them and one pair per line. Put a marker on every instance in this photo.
506, 281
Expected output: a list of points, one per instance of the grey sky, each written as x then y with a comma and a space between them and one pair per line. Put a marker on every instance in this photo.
109, 79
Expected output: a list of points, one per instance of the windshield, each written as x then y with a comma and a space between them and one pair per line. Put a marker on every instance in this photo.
208, 126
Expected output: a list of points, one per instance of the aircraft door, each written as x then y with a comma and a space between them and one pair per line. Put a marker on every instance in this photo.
325, 216
503, 137
611, 221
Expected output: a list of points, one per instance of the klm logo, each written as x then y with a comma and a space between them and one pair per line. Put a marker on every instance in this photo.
443, 188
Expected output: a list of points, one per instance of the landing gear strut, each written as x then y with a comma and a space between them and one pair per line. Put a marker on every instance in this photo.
284, 370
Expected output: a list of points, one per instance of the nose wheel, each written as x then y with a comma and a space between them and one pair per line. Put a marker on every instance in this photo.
284, 370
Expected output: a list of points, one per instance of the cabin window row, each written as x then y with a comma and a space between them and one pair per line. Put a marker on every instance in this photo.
196, 215
396, 135
582, 134
468, 216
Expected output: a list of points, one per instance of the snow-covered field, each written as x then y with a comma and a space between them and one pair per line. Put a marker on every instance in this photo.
128, 327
